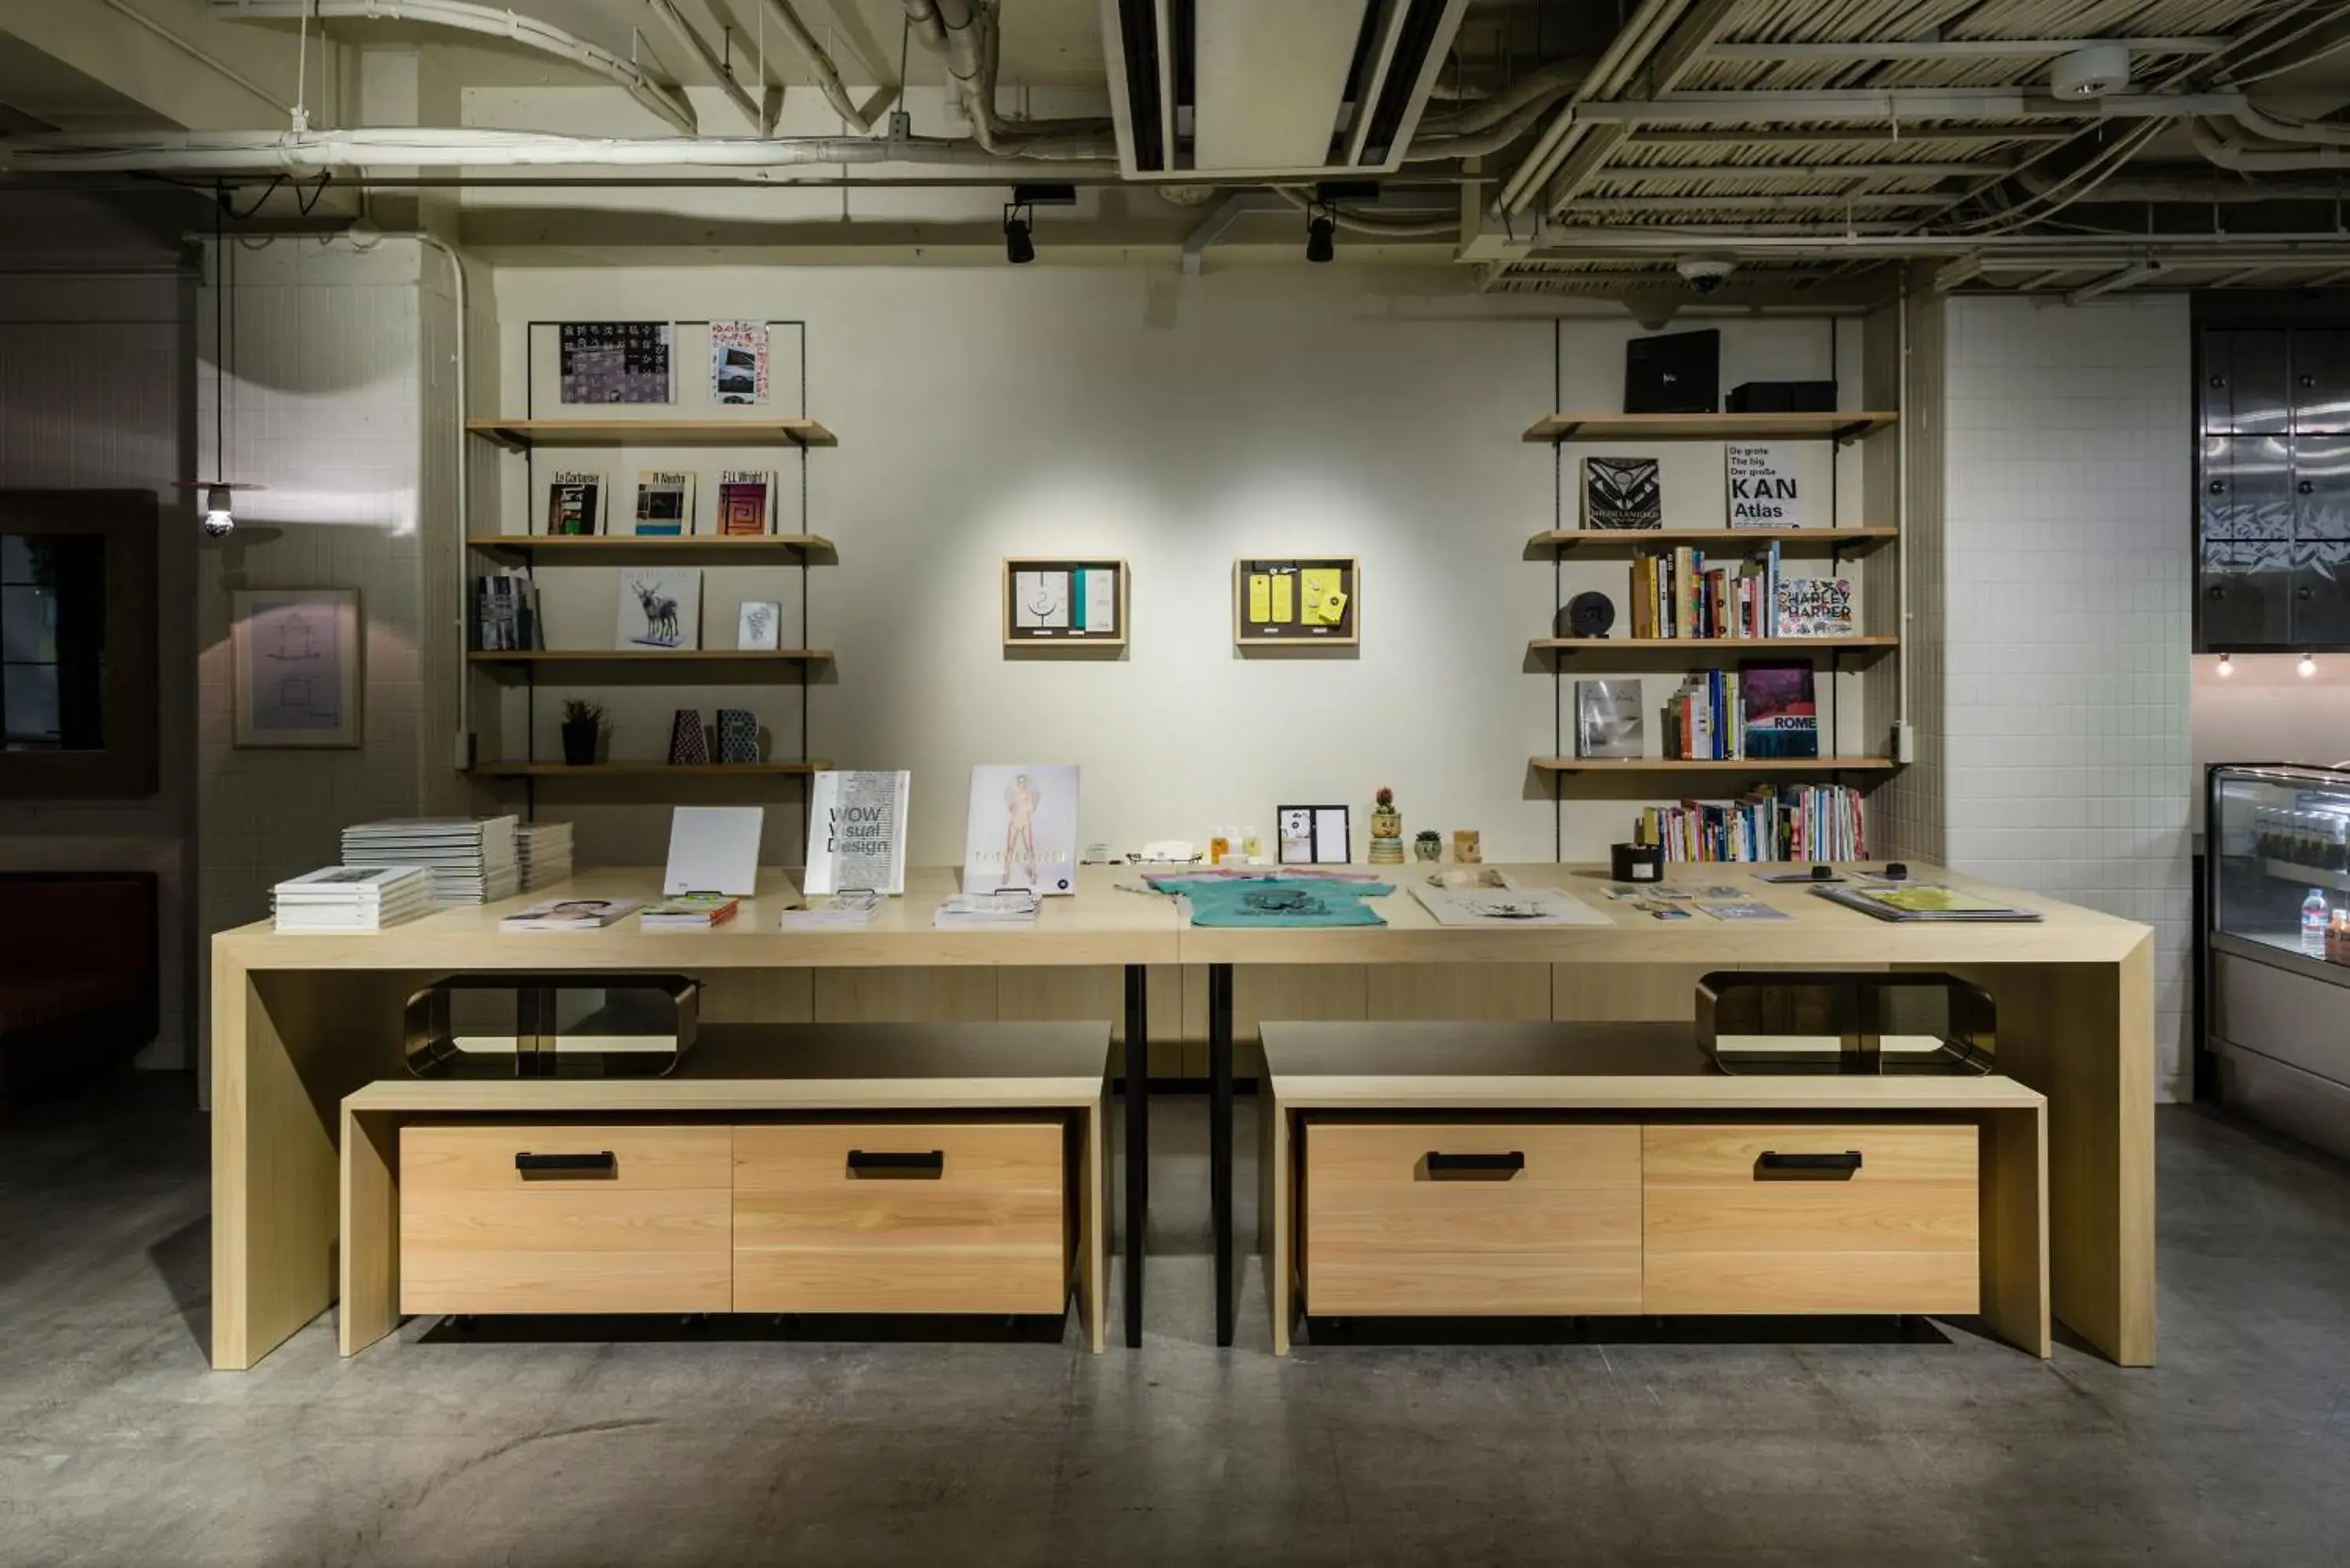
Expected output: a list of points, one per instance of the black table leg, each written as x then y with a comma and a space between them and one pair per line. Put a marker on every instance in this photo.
1220, 1137
1138, 1142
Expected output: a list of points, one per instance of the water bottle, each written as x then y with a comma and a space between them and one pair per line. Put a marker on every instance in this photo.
2314, 917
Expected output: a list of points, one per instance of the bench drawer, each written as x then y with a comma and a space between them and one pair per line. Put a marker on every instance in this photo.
914, 1217
552, 1218
1821, 1218
1460, 1218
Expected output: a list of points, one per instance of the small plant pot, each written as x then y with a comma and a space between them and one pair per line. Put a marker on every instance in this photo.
1428, 847
579, 744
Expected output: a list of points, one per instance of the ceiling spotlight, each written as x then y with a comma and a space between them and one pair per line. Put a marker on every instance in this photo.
2306, 668
1019, 243
2227, 665
1320, 236
2092, 72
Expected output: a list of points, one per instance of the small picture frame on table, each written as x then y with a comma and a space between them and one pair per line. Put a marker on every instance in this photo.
1313, 835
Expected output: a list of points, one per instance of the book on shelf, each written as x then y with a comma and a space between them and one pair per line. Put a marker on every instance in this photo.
574, 504
746, 504
664, 503
691, 912
1811, 823
1764, 492
1622, 492
658, 608
1703, 721
1816, 606
506, 613
571, 915
1780, 710
1682, 593
1607, 719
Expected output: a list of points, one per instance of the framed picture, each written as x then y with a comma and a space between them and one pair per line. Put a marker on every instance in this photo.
297, 656
1064, 601
759, 626
1313, 835
1296, 601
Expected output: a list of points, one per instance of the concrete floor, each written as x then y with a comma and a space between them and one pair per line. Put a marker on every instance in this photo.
1774, 1443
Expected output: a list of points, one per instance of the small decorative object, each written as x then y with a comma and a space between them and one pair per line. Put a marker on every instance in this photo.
1587, 615
298, 655
1636, 863
582, 726
1427, 845
687, 748
1387, 830
759, 628
738, 735
1465, 847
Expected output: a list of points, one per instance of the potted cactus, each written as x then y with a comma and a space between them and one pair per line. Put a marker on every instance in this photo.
1387, 830
583, 728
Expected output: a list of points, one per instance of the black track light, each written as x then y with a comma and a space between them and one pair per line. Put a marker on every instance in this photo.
1019, 242
1320, 236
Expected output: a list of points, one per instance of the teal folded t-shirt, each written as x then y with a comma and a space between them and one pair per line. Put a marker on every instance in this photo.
1280, 901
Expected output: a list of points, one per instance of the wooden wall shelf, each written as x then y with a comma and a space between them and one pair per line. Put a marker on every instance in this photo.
1837, 427
693, 550
1629, 541
1710, 646
710, 665
645, 770
1714, 765
522, 435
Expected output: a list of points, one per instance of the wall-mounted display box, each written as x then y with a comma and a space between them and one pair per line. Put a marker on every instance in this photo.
1288, 601
1064, 601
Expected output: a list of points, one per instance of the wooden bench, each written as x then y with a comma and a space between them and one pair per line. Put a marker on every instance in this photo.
1539, 1169
867, 1168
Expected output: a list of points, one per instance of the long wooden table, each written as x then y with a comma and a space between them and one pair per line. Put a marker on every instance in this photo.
298, 1022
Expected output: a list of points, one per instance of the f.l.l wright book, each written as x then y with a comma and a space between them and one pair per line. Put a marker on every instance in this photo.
746, 503
1622, 492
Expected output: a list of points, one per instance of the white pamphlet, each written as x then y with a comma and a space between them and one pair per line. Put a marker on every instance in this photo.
714, 849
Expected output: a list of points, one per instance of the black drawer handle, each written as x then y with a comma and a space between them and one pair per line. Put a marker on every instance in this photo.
601, 1163
1502, 1165
1773, 1163
908, 1167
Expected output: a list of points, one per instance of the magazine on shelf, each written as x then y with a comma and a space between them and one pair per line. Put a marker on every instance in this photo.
1764, 490
738, 362
1816, 607
1780, 709
1607, 719
857, 832
1622, 492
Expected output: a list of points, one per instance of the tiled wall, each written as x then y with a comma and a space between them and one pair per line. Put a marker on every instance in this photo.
326, 407
2068, 515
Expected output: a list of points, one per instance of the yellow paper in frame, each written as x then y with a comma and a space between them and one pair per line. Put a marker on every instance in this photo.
1325, 596
1260, 598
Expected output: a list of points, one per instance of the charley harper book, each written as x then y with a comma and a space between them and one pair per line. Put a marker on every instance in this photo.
1622, 492
857, 833
1816, 606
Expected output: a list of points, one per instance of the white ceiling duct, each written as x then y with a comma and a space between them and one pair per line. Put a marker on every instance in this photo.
244, 152
1305, 89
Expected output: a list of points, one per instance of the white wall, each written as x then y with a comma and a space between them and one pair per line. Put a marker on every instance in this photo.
998, 411
2068, 516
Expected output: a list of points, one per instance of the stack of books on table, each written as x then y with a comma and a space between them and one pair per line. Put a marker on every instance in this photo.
472, 858
352, 899
543, 851
1011, 907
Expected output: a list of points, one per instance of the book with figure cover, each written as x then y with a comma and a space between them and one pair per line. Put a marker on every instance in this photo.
664, 503
857, 833
1782, 710
1622, 492
574, 504
659, 609
1023, 829
1607, 719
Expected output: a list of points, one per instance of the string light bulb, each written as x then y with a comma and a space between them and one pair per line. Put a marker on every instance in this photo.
2307, 667
2227, 665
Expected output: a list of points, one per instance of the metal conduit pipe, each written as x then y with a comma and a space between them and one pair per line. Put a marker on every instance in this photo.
230, 151
966, 39
827, 74
699, 47
2243, 158
1366, 223
1619, 64
1536, 90
2136, 189
1425, 148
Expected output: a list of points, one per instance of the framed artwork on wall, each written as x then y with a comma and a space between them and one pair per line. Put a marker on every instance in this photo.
299, 677
1296, 601
1064, 601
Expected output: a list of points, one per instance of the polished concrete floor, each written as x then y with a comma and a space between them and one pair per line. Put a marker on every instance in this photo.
1847, 1443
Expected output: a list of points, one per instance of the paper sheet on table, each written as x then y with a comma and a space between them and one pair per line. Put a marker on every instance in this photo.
1506, 907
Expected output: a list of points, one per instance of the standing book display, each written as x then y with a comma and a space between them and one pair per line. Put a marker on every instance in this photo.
1621, 492
857, 833
1023, 829
664, 503
1764, 490
575, 504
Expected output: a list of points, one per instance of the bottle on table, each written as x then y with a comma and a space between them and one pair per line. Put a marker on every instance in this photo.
2314, 919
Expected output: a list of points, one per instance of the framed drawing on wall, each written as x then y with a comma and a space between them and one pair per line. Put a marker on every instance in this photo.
298, 666
1064, 601
1296, 601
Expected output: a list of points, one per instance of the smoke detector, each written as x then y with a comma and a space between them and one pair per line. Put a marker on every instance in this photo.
2092, 72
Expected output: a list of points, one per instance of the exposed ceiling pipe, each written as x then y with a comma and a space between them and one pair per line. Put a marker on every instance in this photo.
690, 36
1394, 228
2154, 187
662, 98
965, 35
1534, 90
2277, 127
235, 151
827, 74
1478, 144
1624, 54
2243, 158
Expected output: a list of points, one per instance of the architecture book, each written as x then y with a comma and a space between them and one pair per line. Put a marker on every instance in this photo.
1764, 490
746, 503
857, 833
1816, 607
1607, 719
1782, 710
1022, 828
574, 504
660, 608
1622, 492
664, 503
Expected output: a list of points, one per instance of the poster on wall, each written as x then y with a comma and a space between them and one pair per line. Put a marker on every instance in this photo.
1022, 828
615, 362
738, 362
297, 654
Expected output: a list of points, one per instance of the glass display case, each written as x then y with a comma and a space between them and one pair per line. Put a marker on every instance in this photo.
2277, 944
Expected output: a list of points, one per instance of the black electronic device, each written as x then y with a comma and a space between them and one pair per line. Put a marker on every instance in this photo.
1677, 373
1587, 615
1782, 398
